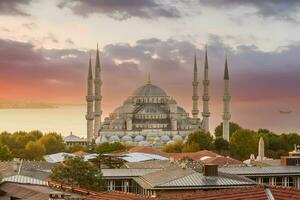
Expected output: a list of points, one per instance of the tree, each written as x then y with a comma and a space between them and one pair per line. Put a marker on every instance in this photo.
35, 150
232, 128
5, 153
75, 148
77, 172
243, 143
202, 139
173, 147
107, 147
190, 147
221, 144
53, 143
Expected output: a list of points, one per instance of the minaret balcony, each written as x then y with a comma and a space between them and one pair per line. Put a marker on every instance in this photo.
89, 98
226, 98
89, 116
205, 98
205, 82
195, 98
195, 83
226, 116
205, 114
98, 98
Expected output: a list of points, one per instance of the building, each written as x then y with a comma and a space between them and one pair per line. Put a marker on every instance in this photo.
287, 176
72, 139
149, 116
171, 179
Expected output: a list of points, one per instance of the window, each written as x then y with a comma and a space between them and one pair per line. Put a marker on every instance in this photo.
266, 180
278, 181
291, 181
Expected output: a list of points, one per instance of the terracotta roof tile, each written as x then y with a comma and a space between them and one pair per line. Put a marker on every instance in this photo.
248, 193
193, 155
221, 160
149, 150
115, 195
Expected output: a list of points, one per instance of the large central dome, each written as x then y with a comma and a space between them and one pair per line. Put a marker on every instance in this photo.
149, 90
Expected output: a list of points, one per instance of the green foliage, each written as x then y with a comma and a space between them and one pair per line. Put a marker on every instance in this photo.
35, 150
174, 147
53, 143
110, 147
243, 143
76, 148
232, 128
18, 141
190, 147
77, 172
202, 139
221, 144
5, 153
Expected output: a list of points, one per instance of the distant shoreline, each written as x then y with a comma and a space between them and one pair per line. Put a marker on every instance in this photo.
32, 105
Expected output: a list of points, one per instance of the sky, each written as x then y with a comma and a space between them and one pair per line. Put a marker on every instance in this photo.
45, 47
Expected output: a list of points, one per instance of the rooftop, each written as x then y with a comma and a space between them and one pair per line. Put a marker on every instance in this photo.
245, 193
289, 170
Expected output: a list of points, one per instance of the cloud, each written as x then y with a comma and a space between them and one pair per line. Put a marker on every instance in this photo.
13, 7
122, 10
254, 75
282, 10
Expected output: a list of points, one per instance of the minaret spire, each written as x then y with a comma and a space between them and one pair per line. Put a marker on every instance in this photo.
226, 100
205, 97
90, 100
149, 79
195, 96
98, 97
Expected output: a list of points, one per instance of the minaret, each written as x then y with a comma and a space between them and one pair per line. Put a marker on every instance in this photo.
90, 107
195, 96
261, 149
98, 97
226, 100
205, 97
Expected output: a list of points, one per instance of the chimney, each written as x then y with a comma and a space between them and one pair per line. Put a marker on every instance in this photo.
210, 170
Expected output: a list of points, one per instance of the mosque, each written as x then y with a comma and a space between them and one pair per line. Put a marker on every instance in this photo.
149, 116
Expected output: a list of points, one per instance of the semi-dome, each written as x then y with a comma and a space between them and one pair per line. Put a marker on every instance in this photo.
165, 138
138, 138
149, 90
101, 139
114, 138
143, 143
126, 138
177, 138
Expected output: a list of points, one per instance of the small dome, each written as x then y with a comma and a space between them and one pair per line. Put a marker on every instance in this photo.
114, 138
165, 138
171, 142
149, 90
138, 138
143, 143
156, 139
177, 138
118, 121
126, 138
101, 139
180, 110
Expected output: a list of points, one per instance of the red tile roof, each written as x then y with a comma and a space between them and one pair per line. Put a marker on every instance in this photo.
115, 195
149, 150
249, 193
80, 153
221, 160
193, 155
